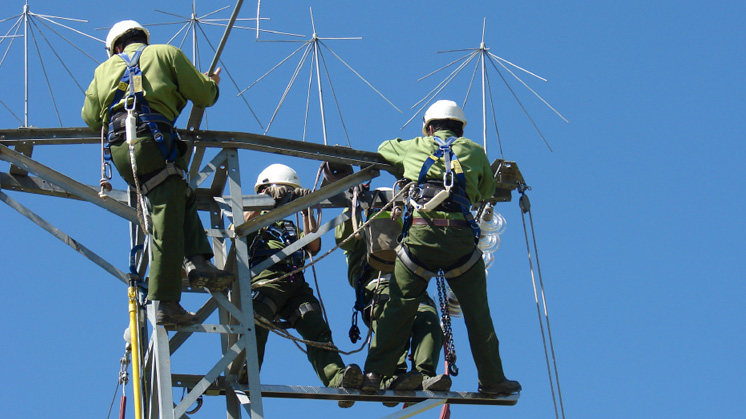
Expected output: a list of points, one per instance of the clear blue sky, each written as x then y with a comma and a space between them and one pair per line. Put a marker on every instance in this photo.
638, 209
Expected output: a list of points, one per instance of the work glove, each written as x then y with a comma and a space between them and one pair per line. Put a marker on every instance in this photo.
278, 192
299, 192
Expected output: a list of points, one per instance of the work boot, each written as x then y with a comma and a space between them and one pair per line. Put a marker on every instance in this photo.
408, 381
440, 382
171, 313
371, 383
352, 378
404, 382
503, 388
203, 274
385, 383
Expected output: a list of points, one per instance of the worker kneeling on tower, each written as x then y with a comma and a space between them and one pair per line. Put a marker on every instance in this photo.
282, 296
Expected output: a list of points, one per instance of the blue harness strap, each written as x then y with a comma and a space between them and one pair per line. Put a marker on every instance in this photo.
131, 90
453, 171
285, 234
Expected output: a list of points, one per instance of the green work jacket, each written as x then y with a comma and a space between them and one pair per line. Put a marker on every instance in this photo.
169, 81
409, 155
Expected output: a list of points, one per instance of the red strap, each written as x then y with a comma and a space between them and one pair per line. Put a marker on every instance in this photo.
445, 411
122, 406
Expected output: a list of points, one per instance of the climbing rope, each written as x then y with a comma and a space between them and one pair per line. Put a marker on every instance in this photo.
269, 325
141, 206
318, 290
313, 269
525, 206
272, 327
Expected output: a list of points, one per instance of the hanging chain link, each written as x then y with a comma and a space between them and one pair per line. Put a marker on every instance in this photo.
445, 321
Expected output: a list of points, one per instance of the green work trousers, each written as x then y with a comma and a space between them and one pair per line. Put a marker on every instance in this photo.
426, 338
177, 229
437, 247
288, 296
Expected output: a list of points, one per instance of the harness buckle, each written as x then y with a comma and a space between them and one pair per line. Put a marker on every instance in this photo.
448, 179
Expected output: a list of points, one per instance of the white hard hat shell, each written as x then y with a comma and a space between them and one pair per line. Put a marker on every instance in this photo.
277, 174
119, 29
443, 109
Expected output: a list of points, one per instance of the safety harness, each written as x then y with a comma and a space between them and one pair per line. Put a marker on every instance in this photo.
290, 321
428, 196
130, 88
431, 195
283, 231
286, 233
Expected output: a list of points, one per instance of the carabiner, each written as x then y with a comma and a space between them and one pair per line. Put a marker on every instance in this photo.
107, 170
130, 102
446, 182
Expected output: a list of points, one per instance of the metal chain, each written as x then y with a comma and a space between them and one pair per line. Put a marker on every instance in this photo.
445, 320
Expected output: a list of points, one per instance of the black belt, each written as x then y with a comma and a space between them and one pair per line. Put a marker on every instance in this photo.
118, 127
440, 222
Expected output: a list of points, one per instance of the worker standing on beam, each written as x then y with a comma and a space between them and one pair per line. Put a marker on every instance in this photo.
452, 173
134, 100
369, 271
288, 301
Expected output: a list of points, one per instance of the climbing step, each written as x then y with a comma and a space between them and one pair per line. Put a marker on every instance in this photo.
331, 393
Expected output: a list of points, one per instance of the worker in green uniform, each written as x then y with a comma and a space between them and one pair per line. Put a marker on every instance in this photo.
441, 238
371, 284
151, 84
290, 301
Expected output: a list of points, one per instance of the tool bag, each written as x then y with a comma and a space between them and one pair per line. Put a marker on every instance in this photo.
381, 239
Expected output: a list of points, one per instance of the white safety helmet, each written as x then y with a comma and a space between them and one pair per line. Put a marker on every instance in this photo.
277, 174
442, 109
119, 29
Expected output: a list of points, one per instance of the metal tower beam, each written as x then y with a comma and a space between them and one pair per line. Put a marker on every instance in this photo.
236, 322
